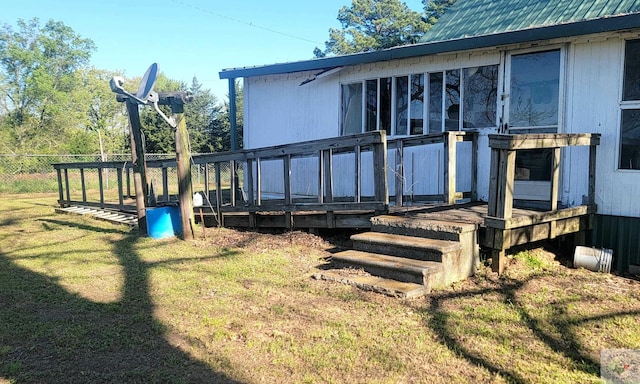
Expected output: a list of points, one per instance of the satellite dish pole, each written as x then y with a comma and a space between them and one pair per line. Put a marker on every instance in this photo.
146, 96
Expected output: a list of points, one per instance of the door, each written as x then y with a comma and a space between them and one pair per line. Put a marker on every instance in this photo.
532, 104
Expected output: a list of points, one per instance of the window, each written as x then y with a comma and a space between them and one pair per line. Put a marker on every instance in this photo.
630, 109
422, 103
351, 109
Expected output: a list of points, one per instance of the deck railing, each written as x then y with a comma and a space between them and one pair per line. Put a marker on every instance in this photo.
504, 231
449, 141
233, 181
83, 184
244, 191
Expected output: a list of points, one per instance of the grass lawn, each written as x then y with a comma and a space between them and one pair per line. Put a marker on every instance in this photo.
85, 301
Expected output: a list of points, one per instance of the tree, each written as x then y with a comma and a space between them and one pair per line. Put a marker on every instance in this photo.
436, 8
37, 66
221, 128
102, 118
159, 136
201, 115
370, 25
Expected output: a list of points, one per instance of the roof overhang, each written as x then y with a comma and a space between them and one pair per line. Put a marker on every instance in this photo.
601, 25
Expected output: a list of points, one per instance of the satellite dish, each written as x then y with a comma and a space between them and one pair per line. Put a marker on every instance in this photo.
147, 82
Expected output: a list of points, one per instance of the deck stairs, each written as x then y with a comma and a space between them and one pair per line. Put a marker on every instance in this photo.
404, 256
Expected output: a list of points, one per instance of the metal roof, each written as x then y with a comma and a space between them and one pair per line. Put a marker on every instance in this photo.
467, 18
564, 18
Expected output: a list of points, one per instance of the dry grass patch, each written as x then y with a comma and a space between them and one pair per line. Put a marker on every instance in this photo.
87, 301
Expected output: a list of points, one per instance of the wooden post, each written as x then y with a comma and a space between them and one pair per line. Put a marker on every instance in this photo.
60, 191
183, 160
233, 183
249, 186
358, 174
258, 181
381, 184
66, 184
101, 186
399, 173
165, 183
328, 175
474, 166
503, 163
139, 167
592, 174
83, 185
450, 167
206, 180
555, 178
286, 161
120, 192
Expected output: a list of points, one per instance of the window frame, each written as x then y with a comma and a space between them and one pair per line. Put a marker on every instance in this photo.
426, 97
624, 105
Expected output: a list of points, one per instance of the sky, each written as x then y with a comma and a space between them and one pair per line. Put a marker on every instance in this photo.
190, 38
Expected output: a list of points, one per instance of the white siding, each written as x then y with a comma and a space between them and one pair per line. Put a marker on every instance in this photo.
593, 99
278, 111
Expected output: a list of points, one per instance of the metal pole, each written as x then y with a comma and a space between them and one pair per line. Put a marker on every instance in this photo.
232, 114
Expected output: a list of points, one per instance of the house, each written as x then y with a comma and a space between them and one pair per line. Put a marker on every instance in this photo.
488, 66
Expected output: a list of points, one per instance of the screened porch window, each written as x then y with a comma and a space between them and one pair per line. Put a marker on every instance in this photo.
422, 103
630, 109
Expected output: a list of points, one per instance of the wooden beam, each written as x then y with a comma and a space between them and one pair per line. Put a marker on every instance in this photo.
536, 141
538, 218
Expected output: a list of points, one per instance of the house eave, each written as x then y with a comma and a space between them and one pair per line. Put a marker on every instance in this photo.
600, 25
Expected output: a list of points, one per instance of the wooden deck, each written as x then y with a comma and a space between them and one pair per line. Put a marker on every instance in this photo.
235, 198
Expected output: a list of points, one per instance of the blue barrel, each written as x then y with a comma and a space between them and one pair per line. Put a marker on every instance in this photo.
163, 222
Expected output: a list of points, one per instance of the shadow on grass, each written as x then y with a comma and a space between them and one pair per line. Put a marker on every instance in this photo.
48, 335
557, 334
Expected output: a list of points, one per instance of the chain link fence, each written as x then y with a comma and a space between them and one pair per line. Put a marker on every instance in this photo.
35, 173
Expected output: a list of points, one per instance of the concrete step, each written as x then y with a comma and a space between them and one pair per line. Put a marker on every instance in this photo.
411, 247
415, 226
376, 284
426, 273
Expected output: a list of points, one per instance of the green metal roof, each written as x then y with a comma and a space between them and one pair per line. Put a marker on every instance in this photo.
468, 18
